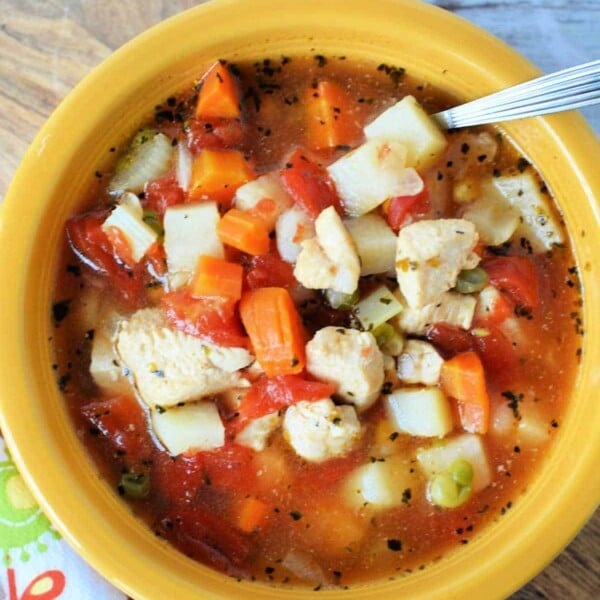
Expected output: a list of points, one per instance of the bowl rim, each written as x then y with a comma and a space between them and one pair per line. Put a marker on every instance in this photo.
26, 454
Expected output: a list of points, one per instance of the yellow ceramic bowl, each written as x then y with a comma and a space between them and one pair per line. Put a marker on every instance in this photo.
120, 94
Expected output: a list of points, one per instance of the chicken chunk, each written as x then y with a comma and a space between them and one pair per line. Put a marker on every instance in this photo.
320, 430
349, 359
256, 434
452, 308
419, 363
329, 260
430, 255
168, 366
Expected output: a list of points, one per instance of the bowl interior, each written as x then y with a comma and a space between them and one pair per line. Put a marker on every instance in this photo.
58, 170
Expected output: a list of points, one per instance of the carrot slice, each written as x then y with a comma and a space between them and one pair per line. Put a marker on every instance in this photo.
244, 231
252, 514
275, 330
462, 378
217, 277
219, 97
332, 119
217, 174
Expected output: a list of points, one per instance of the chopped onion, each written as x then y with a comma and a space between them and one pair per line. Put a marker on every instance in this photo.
184, 166
148, 157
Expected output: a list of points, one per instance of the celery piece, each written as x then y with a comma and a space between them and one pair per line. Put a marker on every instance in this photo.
377, 308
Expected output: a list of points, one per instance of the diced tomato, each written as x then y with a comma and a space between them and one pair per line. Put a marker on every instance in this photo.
93, 247
269, 270
216, 134
448, 339
493, 347
269, 394
162, 193
122, 421
212, 318
497, 353
230, 467
402, 209
515, 275
176, 479
157, 260
309, 184
121, 245
204, 535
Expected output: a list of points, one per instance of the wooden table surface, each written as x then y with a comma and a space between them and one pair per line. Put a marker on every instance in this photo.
47, 46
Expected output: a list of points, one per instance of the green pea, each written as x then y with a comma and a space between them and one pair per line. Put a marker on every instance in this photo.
452, 487
135, 485
341, 301
471, 280
462, 472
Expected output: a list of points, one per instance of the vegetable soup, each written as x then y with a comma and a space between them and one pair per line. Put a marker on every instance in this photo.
308, 336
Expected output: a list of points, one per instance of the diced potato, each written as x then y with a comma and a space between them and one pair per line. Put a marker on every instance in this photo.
419, 363
381, 484
193, 426
329, 526
377, 308
369, 175
408, 123
419, 411
375, 243
531, 430
293, 227
265, 196
190, 231
127, 217
494, 218
538, 224
469, 447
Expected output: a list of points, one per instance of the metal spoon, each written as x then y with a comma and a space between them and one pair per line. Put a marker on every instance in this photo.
564, 90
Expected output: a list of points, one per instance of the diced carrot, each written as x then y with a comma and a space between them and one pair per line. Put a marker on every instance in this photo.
275, 330
331, 117
462, 378
309, 184
217, 277
244, 231
252, 514
219, 97
121, 246
217, 174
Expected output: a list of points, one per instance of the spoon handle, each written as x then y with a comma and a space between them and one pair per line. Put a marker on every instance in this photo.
564, 90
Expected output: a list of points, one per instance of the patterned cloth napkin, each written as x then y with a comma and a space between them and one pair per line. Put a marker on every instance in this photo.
35, 562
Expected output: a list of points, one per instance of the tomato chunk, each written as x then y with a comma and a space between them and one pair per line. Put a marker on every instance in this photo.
214, 133
162, 193
94, 248
309, 184
515, 275
403, 209
269, 270
123, 422
211, 317
269, 394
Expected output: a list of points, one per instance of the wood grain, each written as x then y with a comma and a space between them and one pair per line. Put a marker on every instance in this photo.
47, 47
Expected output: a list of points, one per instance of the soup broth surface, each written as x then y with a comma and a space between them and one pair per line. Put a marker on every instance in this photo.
286, 505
